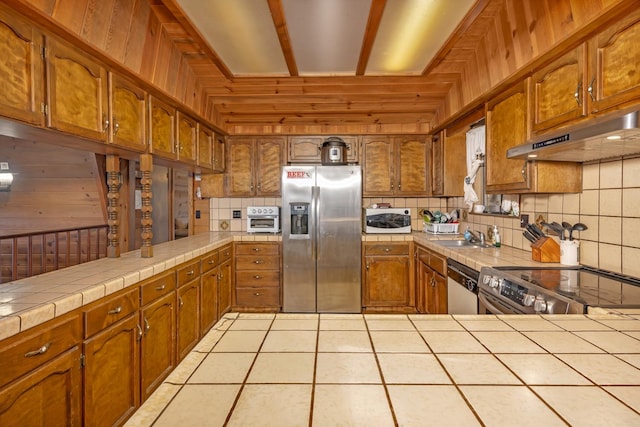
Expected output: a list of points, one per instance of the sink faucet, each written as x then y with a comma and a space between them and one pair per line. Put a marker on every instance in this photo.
481, 234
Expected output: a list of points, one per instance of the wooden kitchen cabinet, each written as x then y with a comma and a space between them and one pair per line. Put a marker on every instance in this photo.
111, 359
394, 166
188, 310
225, 280
127, 111
162, 123
448, 164
431, 277
209, 291
257, 271
187, 138
22, 82
205, 147
40, 374
388, 279
76, 92
307, 148
158, 321
506, 118
254, 166
219, 150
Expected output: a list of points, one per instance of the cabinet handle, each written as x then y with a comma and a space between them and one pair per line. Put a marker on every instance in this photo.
38, 352
116, 310
367, 267
257, 277
590, 89
116, 126
387, 250
139, 332
258, 294
258, 261
251, 187
226, 254
146, 325
256, 249
576, 95
211, 262
161, 287
180, 302
190, 273
106, 123
523, 171
259, 187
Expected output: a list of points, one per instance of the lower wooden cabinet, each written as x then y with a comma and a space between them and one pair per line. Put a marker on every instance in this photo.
431, 277
257, 270
209, 292
225, 280
188, 317
388, 280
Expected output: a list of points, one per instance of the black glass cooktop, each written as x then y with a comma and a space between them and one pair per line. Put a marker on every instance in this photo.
590, 286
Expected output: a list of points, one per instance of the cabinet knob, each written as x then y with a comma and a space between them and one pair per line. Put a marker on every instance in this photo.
161, 287
256, 249
39, 351
387, 250
116, 310
590, 89
576, 94
257, 277
190, 273
258, 261
116, 127
258, 294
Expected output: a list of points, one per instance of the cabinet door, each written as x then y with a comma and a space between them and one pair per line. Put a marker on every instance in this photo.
188, 318
187, 138
162, 119
423, 277
507, 127
205, 147
558, 91
441, 296
269, 161
614, 80
455, 164
22, 77
387, 281
437, 165
224, 287
240, 167
219, 154
411, 155
112, 374
128, 107
48, 396
209, 300
158, 343
377, 160
304, 149
77, 92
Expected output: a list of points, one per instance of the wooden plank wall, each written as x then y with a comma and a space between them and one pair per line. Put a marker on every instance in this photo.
53, 188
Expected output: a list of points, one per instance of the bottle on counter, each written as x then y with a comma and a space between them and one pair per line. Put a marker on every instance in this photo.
496, 236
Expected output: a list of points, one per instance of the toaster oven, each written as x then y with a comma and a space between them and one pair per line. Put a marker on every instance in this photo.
263, 219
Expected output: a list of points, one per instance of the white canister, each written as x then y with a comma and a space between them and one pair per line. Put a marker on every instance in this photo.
569, 252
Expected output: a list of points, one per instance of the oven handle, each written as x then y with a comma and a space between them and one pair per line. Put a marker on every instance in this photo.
262, 216
491, 307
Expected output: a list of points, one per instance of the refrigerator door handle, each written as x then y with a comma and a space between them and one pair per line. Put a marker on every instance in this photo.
315, 212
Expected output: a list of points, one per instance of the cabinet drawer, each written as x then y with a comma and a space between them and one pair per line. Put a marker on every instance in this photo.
438, 263
258, 297
157, 287
224, 254
209, 261
257, 249
107, 312
257, 278
26, 351
258, 262
188, 272
386, 249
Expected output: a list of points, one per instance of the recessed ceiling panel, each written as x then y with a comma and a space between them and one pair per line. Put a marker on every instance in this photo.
326, 35
241, 32
411, 33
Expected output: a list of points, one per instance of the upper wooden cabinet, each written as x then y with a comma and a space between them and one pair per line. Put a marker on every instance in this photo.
76, 92
254, 166
307, 149
127, 111
22, 72
187, 138
162, 122
219, 157
506, 117
448, 164
596, 77
205, 147
394, 166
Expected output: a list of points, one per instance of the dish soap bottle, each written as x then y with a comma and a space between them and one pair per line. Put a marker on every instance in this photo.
496, 236
467, 234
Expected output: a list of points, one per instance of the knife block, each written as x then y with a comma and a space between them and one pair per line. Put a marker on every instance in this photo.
545, 249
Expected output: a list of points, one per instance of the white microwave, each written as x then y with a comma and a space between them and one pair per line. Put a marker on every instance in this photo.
386, 220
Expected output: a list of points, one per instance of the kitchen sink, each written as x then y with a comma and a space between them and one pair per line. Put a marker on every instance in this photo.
461, 244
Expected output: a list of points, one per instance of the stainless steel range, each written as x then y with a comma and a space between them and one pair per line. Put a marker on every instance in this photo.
549, 290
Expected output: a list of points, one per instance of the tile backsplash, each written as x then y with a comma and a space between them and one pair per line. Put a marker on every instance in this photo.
609, 205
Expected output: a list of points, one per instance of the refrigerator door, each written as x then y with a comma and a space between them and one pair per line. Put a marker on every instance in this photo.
339, 215
299, 250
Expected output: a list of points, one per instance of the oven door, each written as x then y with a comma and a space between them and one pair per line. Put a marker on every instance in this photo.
263, 224
488, 304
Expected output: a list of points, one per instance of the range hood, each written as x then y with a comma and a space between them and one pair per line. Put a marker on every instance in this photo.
610, 138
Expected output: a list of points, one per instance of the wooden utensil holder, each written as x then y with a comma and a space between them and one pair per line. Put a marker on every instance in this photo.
545, 249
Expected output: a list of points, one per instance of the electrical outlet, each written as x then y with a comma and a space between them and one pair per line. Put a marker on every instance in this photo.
524, 220
197, 214
237, 214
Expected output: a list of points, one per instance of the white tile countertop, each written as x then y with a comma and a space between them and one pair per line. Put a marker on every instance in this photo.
29, 302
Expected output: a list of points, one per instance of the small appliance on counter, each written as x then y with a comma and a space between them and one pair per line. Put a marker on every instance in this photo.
386, 220
263, 219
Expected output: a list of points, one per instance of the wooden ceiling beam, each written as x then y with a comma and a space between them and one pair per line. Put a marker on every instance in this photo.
280, 23
371, 30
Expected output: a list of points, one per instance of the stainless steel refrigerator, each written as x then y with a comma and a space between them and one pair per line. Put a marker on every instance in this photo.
321, 238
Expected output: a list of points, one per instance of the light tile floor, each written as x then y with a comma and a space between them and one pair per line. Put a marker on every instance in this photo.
415, 370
